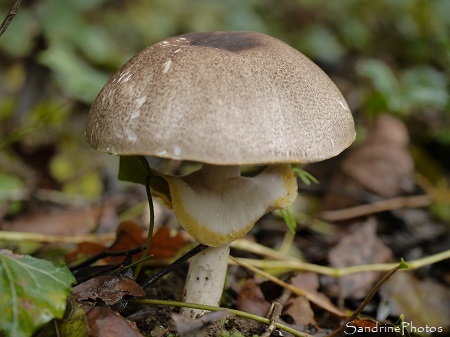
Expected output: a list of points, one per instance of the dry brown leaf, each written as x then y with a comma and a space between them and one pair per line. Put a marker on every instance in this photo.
251, 299
58, 222
166, 243
84, 250
129, 235
423, 302
108, 288
104, 322
382, 165
358, 248
309, 283
299, 309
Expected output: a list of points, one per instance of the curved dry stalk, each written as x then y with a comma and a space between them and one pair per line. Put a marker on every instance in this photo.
45, 238
377, 207
285, 263
286, 266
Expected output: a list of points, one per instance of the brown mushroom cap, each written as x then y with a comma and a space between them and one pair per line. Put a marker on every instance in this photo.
224, 98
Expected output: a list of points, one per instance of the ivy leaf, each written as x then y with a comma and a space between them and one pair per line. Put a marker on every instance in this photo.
73, 324
34, 292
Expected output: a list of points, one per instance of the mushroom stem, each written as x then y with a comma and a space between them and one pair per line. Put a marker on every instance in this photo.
206, 278
208, 269
216, 206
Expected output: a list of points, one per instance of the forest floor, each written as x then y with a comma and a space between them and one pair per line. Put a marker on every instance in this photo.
370, 210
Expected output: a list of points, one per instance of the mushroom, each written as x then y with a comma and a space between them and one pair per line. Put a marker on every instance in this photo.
223, 99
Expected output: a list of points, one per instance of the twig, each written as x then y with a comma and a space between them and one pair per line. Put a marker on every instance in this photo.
151, 225
194, 251
107, 253
339, 272
38, 237
11, 14
367, 299
275, 312
284, 263
377, 207
256, 248
274, 316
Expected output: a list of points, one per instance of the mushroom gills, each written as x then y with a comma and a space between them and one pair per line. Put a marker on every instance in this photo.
216, 205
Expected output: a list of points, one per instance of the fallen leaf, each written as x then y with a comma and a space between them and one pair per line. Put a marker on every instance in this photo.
84, 250
104, 322
358, 248
167, 243
56, 222
129, 235
382, 166
251, 299
423, 302
307, 281
33, 291
73, 324
299, 310
108, 288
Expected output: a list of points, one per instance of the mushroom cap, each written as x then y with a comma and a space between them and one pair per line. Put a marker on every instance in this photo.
224, 98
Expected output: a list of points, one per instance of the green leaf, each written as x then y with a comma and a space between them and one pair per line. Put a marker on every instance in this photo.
403, 264
425, 87
73, 324
85, 81
384, 82
289, 220
306, 177
136, 169
34, 291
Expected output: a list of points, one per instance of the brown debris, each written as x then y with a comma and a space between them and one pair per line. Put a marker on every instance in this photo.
251, 299
360, 247
110, 289
380, 167
104, 322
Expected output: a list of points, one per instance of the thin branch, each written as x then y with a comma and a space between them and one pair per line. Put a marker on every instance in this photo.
38, 237
151, 225
11, 14
376, 207
369, 297
286, 266
194, 251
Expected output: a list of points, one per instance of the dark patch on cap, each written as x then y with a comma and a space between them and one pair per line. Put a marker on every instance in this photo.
231, 41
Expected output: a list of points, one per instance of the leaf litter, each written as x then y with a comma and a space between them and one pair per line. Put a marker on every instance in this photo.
362, 176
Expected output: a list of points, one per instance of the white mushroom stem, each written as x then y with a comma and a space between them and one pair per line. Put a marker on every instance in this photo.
208, 269
205, 279
216, 205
